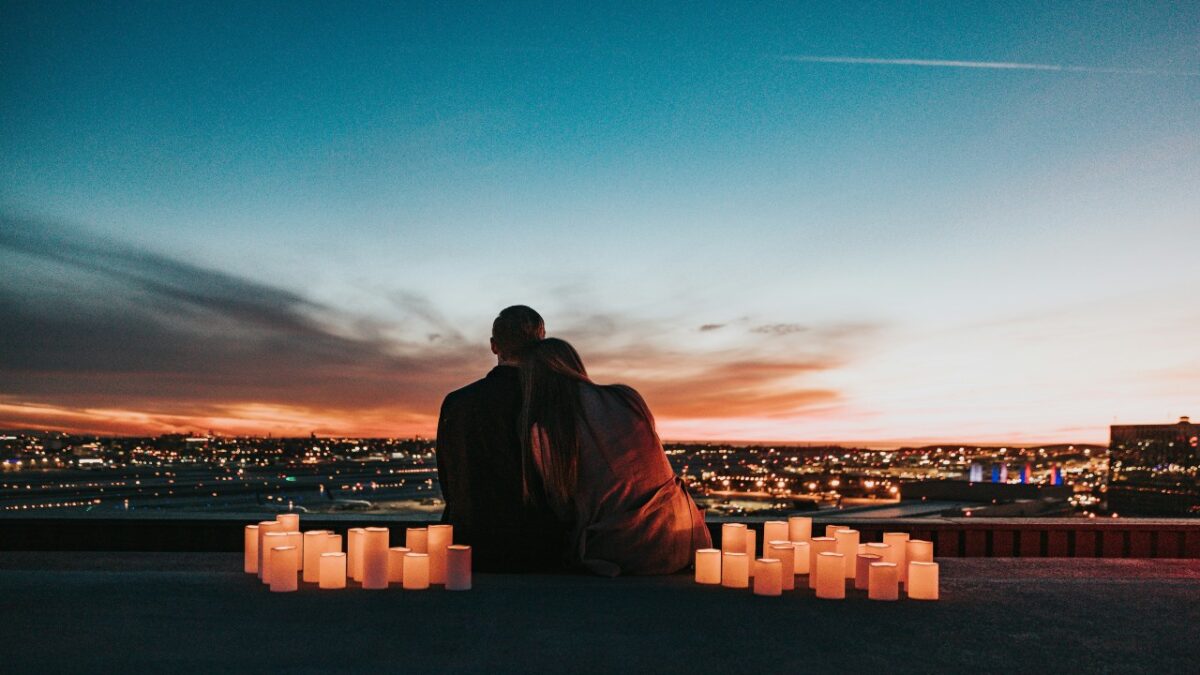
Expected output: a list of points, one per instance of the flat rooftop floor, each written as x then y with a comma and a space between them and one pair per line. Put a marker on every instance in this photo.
172, 612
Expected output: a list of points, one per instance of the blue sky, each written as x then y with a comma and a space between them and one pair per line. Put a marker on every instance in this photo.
891, 250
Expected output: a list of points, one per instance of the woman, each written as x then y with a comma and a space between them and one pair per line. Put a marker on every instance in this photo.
591, 452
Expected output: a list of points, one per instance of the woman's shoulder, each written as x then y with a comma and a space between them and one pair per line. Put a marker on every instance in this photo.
622, 394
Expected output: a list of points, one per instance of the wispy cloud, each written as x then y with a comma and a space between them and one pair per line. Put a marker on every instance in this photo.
985, 65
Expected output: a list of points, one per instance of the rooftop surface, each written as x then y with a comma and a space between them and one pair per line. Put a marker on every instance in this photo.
197, 612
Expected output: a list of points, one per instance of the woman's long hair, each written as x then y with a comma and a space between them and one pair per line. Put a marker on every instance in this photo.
551, 375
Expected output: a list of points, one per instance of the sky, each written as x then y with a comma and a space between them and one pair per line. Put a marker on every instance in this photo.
880, 223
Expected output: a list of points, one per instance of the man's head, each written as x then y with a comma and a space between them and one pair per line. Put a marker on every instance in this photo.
515, 330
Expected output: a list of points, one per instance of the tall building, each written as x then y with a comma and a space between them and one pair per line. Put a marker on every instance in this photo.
1154, 469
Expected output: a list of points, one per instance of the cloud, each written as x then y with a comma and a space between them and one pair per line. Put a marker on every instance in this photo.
986, 65
779, 329
711, 327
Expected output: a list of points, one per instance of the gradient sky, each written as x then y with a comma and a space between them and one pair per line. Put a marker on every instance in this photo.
885, 223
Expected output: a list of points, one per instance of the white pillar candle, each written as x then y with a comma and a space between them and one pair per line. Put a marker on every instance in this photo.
438, 540
416, 571
862, 571
396, 563
768, 576
883, 581
847, 545
862, 548
878, 549
333, 570
283, 569
895, 554
751, 547
271, 541
831, 576
458, 567
733, 538
333, 543
314, 546
922, 580
708, 566
735, 570
354, 552
916, 550
417, 538
785, 553
831, 530
816, 547
799, 528
374, 550
801, 556
296, 539
263, 528
774, 530
289, 521
250, 549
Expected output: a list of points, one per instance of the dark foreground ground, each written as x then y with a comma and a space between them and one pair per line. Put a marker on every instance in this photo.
171, 612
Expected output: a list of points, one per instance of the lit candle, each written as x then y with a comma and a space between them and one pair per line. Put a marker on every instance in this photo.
416, 571
916, 550
883, 581
708, 566
283, 569
735, 570
439, 538
799, 528
458, 567
922, 580
416, 538
314, 546
862, 548
263, 528
296, 539
847, 545
831, 576
751, 547
354, 553
785, 553
250, 549
801, 556
831, 530
895, 555
374, 550
396, 563
816, 547
290, 521
733, 538
878, 549
775, 530
271, 541
768, 576
333, 570
862, 569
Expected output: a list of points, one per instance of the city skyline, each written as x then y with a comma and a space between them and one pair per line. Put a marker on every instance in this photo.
880, 225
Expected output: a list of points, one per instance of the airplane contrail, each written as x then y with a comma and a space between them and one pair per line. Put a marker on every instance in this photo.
988, 65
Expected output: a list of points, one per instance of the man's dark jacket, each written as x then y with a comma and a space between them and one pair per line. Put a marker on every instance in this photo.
479, 466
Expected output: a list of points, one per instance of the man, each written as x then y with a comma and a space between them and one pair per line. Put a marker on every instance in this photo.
479, 460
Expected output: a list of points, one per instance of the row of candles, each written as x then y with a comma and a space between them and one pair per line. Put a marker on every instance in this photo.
830, 562
281, 555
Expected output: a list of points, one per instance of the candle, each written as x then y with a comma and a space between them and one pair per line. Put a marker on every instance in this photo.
774, 530
847, 545
801, 556
831, 530
263, 528
862, 548
314, 546
374, 553
396, 563
735, 572
768, 576
733, 538
862, 569
895, 555
333, 543
751, 547
916, 550
416, 571
296, 539
438, 539
283, 569
333, 570
354, 553
799, 528
416, 538
883, 581
785, 553
878, 549
250, 549
816, 547
922, 580
831, 576
708, 566
458, 567
289, 521
271, 541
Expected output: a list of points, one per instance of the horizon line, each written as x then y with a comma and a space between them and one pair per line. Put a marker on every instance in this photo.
983, 65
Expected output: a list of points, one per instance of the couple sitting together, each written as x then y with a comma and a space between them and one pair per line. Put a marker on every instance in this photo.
543, 469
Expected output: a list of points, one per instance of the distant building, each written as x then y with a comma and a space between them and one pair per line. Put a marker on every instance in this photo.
1154, 469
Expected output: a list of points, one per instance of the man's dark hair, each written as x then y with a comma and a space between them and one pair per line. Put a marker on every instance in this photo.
516, 329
